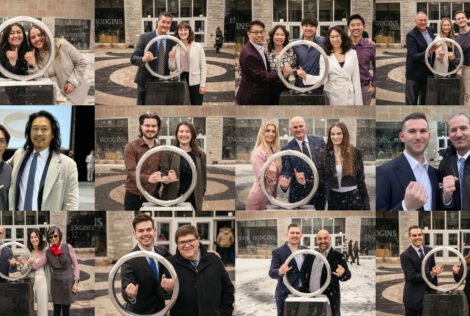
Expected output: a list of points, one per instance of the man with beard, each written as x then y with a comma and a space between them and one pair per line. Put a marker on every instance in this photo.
409, 182
317, 273
454, 167
149, 125
294, 270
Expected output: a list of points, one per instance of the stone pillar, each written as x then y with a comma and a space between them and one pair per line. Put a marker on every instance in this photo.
59, 219
215, 18
133, 21
353, 228
282, 224
263, 10
405, 220
214, 138
431, 151
407, 18
364, 8
119, 233
133, 128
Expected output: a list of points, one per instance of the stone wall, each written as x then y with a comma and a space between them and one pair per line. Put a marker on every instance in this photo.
59, 219
133, 21
214, 131
215, 18
406, 219
119, 233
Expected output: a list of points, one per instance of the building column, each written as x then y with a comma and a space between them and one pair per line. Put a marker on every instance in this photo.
215, 13
405, 220
118, 233
215, 124
133, 21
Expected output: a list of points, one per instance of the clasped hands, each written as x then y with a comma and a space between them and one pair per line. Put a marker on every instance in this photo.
158, 177
299, 176
167, 285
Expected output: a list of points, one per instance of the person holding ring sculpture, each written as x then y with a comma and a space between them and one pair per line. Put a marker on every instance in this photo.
7, 261
267, 144
316, 272
445, 54
15, 55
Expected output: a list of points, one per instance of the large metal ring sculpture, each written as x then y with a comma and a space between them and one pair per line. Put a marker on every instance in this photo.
23, 275
284, 51
153, 199
137, 254
437, 41
309, 162
328, 273
180, 43
48, 32
423, 269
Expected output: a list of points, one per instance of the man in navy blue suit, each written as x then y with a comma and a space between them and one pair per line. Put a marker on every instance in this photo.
411, 260
296, 174
409, 182
417, 40
159, 65
294, 270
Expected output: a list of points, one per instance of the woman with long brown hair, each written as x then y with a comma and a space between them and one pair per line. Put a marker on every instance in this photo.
267, 144
176, 171
342, 171
446, 50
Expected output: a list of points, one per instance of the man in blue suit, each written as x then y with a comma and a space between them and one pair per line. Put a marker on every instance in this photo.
409, 182
417, 40
296, 174
295, 270
159, 65
411, 260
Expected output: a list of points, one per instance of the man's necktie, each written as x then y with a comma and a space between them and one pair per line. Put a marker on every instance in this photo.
194, 263
421, 253
154, 268
305, 149
28, 200
461, 167
161, 58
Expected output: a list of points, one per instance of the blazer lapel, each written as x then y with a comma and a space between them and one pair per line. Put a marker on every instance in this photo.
52, 175
404, 173
432, 173
255, 52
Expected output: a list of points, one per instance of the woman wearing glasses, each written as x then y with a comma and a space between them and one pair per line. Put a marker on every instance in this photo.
193, 73
343, 86
65, 272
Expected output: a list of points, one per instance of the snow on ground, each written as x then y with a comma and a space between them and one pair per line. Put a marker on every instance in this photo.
255, 289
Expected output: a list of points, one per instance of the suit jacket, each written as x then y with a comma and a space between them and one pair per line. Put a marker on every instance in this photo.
448, 166
414, 284
60, 188
415, 48
197, 64
327, 174
393, 177
171, 160
297, 191
136, 59
294, 275
150, 296
255, 78
333, 293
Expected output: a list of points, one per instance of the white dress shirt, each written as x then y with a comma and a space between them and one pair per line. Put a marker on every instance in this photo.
41, 164
315, 275
299, 142
420, 172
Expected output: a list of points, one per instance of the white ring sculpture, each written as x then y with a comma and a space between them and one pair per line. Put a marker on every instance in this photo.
23, 275
439, 40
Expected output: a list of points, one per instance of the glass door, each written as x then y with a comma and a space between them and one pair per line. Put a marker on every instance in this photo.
149, 24
464, 245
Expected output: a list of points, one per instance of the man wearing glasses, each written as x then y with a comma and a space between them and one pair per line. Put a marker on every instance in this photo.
205, 286
7, 262
5, 169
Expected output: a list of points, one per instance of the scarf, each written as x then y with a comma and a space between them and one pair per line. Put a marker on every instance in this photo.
56, 250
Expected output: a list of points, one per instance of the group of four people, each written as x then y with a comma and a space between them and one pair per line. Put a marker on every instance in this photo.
350, 58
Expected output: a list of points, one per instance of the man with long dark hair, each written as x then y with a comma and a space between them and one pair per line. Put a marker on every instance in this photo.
42, 177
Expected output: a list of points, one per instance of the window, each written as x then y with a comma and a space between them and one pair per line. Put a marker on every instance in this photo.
228, 139
256, 237
388, 144
110, 139
367, 244
365, 138
109, 21
77, 32
386, 28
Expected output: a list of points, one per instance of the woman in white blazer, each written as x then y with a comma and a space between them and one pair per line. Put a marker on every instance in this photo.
343, 85
195, 72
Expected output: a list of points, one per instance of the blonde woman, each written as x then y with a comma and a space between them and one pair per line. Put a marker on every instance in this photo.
267, 144
446, 50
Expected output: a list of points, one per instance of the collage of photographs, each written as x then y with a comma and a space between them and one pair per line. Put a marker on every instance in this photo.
234, 157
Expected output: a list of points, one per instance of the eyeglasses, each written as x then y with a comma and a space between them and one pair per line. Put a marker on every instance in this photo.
257, 32
53, 236
185, 242
3, 141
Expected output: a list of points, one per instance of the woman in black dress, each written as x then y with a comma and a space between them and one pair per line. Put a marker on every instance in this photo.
341, 168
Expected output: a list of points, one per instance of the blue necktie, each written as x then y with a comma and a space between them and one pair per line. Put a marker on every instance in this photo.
28, 201
461, 166
154, 268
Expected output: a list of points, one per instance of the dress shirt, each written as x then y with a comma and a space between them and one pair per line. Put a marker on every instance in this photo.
420, 172
315, 276
299, 142
427, 37
41, 164
158, 42
417, 250
308, 58
260, 49
366, 57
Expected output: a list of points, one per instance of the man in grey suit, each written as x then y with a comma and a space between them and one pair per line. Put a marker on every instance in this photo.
42, 178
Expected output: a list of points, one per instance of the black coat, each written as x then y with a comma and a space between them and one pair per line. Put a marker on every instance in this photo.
448, 166
150, 296
333, 293
414, 284
205, 291
466, 289
415, 48
327, 173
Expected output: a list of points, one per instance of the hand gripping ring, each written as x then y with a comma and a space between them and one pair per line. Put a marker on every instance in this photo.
153, 199
180, 43
423, 269
328, 273
439, 40
137, 254
43, 26
287, 205
23, 275
279, 64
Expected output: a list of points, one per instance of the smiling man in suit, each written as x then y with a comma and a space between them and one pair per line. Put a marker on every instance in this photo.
409, 182
156, 56
417, 40
411, 260
144, 286
296, 174
294, 270
42, 178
